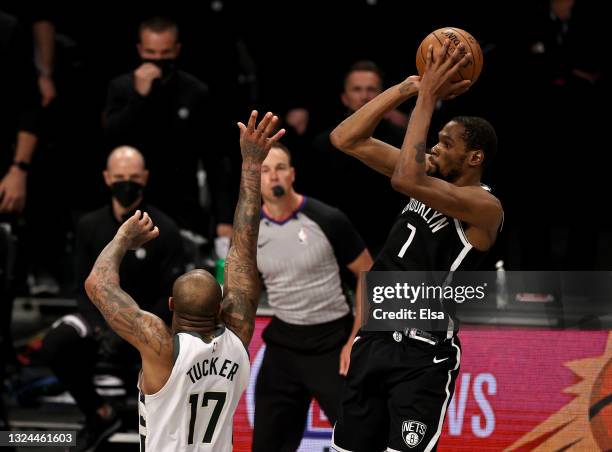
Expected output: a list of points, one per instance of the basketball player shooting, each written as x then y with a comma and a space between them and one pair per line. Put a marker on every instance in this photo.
194, 373
399, 383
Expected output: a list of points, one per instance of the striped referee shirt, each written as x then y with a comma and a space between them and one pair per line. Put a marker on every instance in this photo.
300, 258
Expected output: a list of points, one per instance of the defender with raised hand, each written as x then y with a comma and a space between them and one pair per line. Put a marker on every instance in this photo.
193, 374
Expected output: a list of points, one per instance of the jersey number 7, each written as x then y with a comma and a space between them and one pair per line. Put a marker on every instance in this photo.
408, 242
214, 417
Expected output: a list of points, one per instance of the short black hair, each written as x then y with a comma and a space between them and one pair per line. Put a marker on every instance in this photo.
158, 24
367, 66
479, 134
283, 148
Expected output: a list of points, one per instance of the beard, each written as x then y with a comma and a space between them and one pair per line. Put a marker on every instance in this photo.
450, 177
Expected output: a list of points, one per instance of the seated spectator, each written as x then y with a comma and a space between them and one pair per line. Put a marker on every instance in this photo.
75, 342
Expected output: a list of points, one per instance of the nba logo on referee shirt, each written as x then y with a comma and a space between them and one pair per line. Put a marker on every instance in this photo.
302, 236
413, 432
183, 113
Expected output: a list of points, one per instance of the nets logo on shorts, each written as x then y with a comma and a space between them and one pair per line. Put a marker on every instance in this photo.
413, 432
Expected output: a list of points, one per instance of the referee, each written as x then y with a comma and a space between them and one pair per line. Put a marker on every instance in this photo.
302, 246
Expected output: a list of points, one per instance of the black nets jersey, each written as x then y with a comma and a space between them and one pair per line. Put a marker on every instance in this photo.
424, 239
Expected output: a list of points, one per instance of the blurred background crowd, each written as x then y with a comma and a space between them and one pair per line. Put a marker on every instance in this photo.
543, 80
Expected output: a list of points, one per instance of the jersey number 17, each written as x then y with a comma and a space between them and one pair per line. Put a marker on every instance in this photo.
214, 417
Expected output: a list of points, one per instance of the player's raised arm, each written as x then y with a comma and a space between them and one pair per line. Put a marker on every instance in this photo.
242, 286
143, 330
464, 200
353, 136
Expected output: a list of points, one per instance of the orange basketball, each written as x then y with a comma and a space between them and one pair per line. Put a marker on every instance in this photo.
471, 70
600, 410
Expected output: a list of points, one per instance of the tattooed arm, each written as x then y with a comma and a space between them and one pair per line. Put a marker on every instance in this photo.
143, 330
354, 135
470, 203
242, 285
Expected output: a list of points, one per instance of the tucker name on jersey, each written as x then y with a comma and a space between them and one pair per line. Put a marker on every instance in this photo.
213, 367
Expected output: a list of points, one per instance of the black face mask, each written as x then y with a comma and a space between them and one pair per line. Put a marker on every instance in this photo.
126, 192
167, 66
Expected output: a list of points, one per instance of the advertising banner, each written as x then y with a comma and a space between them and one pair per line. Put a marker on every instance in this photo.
519, 389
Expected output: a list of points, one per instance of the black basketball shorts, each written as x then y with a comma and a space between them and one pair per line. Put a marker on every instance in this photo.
396, 393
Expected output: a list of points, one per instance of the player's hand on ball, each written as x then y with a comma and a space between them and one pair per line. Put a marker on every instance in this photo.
439, 71
255, 140
454, 89
137, 230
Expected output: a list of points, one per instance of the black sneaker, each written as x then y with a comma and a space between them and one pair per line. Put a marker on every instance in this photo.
95, 432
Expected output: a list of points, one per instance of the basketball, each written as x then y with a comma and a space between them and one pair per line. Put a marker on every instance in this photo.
600, 412
471, 70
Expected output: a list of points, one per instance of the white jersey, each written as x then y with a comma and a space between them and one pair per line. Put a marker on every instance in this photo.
194, 410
